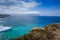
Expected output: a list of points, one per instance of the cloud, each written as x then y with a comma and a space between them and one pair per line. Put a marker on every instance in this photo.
21, 7
49, 12
24, 7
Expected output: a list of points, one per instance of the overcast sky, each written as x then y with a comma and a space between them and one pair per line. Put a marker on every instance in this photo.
40, 7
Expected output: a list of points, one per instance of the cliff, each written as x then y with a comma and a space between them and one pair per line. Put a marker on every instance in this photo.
50, 32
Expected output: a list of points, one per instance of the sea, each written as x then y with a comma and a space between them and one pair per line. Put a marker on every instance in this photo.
22, 24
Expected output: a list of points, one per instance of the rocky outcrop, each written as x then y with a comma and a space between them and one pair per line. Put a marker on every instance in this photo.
55, 29
4, 15
50, 32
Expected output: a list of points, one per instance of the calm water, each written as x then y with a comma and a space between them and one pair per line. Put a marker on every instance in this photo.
22, 24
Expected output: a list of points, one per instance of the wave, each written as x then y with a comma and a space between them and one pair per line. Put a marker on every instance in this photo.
4, 28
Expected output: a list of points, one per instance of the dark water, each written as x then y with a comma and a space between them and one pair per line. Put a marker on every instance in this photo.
22, 24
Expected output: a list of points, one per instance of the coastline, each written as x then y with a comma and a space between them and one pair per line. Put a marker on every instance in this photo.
47, 33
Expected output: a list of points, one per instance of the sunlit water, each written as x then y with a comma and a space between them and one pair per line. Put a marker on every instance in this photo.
23, 24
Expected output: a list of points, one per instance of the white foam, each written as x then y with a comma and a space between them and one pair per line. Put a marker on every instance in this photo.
4, 28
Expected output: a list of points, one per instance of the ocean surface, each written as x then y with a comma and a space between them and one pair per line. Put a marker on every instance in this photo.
22, 24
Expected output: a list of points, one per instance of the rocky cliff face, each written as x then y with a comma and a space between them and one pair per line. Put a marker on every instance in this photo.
55, 29
50, 32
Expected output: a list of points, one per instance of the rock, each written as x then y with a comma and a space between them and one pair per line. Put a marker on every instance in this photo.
56, 27
37, 28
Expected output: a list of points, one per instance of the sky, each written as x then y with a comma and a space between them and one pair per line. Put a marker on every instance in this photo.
40, 7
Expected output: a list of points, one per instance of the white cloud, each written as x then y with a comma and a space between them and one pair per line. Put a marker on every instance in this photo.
49, 12
21, 8
29, 4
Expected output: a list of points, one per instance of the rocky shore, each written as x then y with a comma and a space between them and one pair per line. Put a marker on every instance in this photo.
49, 32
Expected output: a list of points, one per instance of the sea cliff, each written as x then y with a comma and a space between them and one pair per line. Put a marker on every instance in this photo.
49, 32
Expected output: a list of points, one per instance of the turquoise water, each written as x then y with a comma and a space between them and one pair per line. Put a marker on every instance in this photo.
16, 31
23, 24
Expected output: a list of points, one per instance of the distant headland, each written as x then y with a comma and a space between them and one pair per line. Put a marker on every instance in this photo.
4, 15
